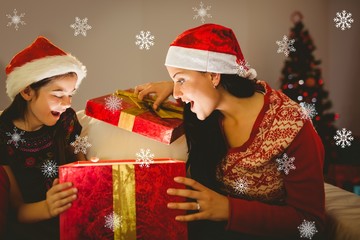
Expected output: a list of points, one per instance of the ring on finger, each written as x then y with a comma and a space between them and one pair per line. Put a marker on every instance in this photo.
198, 207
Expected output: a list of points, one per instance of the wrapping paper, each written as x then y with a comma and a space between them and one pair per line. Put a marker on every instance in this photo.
137, 116
122, 200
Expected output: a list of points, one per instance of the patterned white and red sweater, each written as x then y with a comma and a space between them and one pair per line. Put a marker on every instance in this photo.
270, 197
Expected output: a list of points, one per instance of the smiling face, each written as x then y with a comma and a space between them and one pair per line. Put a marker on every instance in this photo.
45, 105
197, 89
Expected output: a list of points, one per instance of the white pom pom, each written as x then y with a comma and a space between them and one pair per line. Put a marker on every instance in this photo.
251, 73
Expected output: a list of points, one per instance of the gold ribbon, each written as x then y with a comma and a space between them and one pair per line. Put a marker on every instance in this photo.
165, 110
124, 200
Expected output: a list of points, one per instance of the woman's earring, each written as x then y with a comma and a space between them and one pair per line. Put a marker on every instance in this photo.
215, 83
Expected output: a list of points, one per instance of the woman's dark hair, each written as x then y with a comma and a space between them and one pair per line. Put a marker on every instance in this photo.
17, 109
205, 139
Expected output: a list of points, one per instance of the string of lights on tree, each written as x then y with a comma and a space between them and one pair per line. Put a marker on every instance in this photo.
302, 81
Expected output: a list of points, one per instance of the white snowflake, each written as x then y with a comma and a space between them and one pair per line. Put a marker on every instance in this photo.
241, 186
285, 163
343, 138
308, 110
113, 221
343, 20
286, 46
49, 168
145, 157
242, 68
16, 19
113, 103
202, 12
145, 40
80, 26
80, 144
307, 229
15, 137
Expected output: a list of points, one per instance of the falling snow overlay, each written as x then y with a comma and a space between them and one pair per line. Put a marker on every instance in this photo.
307, 229
49, 168
145, 157
242, 68
80, 26
15, 137
343, 138
113, 103
285, 163
113, 221
343, 20
16, 19
80, 144
308, 110
145, 40
202, 12
241, 186
286, 46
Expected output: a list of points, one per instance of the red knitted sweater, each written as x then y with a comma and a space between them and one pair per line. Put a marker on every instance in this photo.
275, 180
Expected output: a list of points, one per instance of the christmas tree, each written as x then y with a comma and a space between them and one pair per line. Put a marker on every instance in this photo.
301, 80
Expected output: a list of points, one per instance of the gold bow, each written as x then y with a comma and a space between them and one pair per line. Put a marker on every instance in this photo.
165, 110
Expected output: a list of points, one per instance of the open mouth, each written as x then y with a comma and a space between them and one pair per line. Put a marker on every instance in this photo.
191, 106
191, 102
55, 114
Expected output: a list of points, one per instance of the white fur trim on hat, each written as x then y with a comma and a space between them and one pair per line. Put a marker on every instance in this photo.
42, 68
200, 60
205, 61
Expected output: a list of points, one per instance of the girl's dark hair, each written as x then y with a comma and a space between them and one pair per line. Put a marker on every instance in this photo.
17, 109
205, 140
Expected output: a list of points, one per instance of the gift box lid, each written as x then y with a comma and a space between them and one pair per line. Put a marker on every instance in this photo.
126, 111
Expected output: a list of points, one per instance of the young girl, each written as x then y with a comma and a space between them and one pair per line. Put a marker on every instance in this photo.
255, 159
35, 135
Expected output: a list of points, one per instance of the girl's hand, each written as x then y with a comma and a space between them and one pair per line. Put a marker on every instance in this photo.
162, 90
59, 197
212, 206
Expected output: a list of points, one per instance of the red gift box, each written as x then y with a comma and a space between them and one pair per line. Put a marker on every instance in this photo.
123, 200
124, 110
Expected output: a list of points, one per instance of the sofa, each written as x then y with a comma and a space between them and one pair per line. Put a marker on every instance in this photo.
342, 214
109, 142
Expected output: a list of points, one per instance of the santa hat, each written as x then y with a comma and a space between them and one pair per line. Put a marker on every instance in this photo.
40, 60
209, 48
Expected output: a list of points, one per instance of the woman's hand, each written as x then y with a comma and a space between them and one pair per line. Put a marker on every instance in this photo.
59, 197
162, 90
210, 204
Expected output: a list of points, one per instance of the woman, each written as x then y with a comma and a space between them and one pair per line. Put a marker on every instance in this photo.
255, 159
